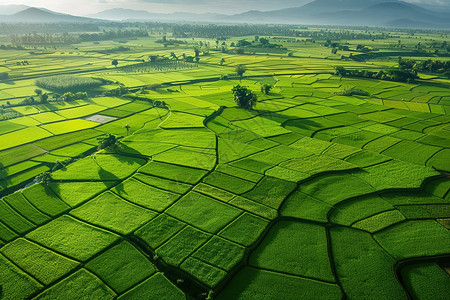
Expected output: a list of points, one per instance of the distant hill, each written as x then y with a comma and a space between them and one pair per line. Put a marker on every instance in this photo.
7, 10
321, 6
121, 14
118, 14
36, 15
386, 13
390, 13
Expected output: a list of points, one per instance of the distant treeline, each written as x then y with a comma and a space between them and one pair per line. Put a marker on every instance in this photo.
433, 66
24, 28
66, 38
399, 75
222, 32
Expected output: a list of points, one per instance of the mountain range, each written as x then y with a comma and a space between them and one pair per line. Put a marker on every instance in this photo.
386, 13
42, 15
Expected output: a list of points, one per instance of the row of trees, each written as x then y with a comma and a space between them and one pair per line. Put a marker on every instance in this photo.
66, 38
398, 75
25, 28
433, 66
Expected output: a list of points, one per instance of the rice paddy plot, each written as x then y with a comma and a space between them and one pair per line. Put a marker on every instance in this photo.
73, 238
198, 206
68, 126
22, 136
102, 167
296, 249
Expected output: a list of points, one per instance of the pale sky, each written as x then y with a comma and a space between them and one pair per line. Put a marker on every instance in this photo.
84, 7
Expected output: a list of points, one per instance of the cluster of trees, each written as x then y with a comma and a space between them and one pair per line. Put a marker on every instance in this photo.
334, 35
259, 44
398, 75
244, 97
113, 34
166, 42
63, 83
44, 178
66, 38
23, 63
353, 92
69, 96
107, 141
25, 28
42, 98
240, 70
62, 164
223, 32
117, 92
433, 66
11, 47
266, 88
161, 65
43, 39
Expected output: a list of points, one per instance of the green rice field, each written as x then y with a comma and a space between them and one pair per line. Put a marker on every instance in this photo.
314, 193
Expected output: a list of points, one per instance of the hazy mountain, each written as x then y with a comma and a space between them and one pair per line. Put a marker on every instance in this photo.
7, 10
321, 6
351, 12
121, 14
118, 14
389, 13
36, 15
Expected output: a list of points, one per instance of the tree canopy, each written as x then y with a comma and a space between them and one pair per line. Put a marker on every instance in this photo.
244, 97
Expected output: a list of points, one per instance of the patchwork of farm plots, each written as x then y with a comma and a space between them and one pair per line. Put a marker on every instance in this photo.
310, 195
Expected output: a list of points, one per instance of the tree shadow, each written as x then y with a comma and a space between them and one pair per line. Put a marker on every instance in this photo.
49, 191
300, 123
106, 175
8, 82
123, 149
48, 106
3, 171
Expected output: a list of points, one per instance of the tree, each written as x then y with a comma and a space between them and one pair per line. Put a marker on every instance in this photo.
222, 61
43, 98
173, 56
240, 70
107, 141
44, 178
265, 88
68, 96
264, 41
115, 63
244, 97
38, 92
